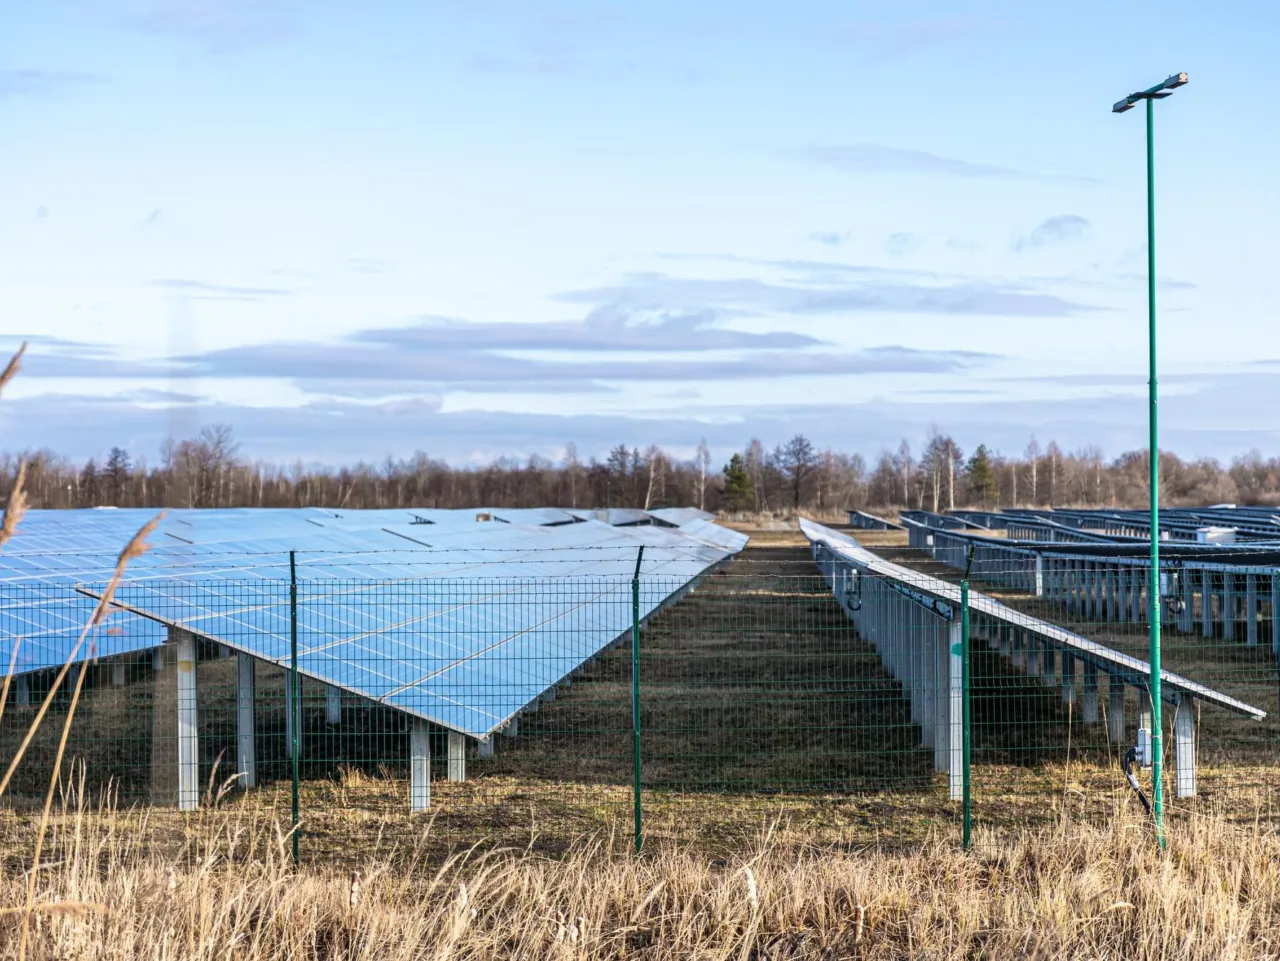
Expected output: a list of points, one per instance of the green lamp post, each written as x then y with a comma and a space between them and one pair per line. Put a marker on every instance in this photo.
1150, 96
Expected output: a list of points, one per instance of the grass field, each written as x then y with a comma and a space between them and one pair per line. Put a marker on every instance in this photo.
1065, 891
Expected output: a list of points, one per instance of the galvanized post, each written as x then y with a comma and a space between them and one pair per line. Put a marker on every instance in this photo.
295, 701
1228, 605
246, 760
1250, 610
188, 726
1275, 627
635, 698
1206, 603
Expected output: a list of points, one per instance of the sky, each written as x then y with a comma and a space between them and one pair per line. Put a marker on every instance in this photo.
496, 227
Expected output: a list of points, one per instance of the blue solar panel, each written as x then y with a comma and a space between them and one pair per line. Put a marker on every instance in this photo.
487, 616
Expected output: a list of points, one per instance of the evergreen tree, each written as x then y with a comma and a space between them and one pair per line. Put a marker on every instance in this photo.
89, 492
116, 475
739, 489
982, 477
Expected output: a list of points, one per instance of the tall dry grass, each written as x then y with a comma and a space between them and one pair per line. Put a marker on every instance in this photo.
1066, 893
135, 548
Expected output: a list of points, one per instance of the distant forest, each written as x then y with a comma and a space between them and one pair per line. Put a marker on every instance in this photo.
208, 471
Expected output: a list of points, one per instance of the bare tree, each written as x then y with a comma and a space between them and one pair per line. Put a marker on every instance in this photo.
933, 461
955, 461
904, 464
797, 460
1033, 461
656, 466
883, 480
1055, 455
206, 470
703, 460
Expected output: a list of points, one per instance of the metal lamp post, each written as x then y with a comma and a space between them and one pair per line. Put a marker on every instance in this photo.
1150, 96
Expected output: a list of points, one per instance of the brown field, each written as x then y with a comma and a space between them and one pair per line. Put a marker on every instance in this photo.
1065, 891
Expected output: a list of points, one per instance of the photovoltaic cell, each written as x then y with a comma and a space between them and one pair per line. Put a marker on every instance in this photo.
538, 600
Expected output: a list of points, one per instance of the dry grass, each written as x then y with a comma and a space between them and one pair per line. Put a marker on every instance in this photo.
1065, 892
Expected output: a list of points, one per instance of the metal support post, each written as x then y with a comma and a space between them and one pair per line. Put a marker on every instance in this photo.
1115, 711
332, 705
1089, 693
188, 725
957, 691
293, 708
419, 765
457, 757
966, 714
289, 713
1048, 669
938, 643
1184, 748
1068, 679
1275, 616
638, 814
1228, 606
246, 760
926, 642
1206, 603
1250, 610
1095, 591
1187, 594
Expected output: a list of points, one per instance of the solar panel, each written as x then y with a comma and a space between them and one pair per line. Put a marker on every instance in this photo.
458, 622
680, 516
1130, 669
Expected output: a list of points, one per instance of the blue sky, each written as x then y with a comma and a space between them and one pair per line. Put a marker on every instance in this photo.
495, 227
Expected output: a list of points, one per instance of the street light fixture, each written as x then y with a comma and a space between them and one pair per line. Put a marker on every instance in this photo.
1158, 92
1150, 96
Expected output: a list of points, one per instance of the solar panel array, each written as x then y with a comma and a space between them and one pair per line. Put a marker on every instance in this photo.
459, 621
925, 588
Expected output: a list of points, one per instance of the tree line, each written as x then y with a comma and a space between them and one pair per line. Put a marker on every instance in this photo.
209, 471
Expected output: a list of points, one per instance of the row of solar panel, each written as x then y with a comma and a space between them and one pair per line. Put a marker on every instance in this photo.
459, 622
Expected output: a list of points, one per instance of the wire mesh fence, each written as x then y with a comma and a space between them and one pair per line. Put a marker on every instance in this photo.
839, 701
1220, 741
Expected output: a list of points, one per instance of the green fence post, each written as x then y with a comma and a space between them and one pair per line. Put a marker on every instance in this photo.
294, 704
635, 697
966, 716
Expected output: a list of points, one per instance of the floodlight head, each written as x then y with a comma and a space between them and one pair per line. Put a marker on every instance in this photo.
1158, 92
